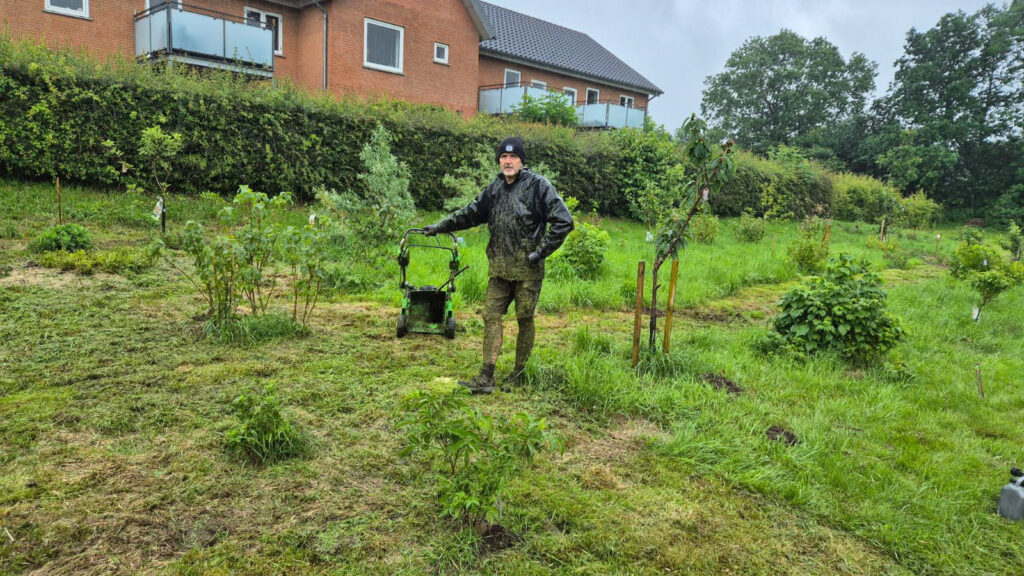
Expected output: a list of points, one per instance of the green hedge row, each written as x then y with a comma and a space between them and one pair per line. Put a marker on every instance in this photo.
57, 109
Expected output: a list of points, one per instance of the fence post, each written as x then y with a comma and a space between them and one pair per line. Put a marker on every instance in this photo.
638, 314
671, 305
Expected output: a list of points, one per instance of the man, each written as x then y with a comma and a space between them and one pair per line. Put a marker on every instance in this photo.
528, 221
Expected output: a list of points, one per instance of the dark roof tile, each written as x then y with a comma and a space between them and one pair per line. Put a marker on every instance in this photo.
535, 40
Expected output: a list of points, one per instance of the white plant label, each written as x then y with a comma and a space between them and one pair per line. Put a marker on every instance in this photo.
158, 209
312, 220
705, 196
650, 236
975, 313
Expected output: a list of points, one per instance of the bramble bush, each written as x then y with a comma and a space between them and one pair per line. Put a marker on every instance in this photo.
809, 252
843, 309
749, 228
263, 435
67, 237
478, 454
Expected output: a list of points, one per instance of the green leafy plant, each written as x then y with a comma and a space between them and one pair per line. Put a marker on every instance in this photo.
119, 261
985, 267
705, 227
1014, 241
890, 249
478, 454
583, 251
809, 252
469, 179
552, 108
749, 228
374, 217
263, 435
843, 309
302, 250
68, 237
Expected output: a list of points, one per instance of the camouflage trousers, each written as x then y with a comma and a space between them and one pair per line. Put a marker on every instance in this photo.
500, 294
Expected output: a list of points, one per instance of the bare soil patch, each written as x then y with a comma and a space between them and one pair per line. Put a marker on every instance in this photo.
782, 435
720, 382
497, 538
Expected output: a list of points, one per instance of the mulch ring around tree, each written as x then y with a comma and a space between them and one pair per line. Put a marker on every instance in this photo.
720, 382
497, 538
781, 434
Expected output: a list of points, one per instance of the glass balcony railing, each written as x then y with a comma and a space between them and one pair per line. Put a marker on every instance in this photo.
204, 38
503, 99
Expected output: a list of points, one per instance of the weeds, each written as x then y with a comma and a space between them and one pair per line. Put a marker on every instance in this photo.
263, 435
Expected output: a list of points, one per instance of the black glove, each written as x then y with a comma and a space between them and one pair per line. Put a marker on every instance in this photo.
534, 257
430, 230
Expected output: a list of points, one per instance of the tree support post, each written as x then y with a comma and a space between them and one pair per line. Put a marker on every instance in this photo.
638, 315
670, 306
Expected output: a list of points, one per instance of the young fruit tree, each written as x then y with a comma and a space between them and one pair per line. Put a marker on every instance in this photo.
708, 167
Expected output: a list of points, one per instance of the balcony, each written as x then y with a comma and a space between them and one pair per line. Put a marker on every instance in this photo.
502, 99
199, 37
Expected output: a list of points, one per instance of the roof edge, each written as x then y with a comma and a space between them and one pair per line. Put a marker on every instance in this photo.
502, 56
480, 20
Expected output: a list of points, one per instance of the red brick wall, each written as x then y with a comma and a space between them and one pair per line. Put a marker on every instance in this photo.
453, 86
109, 31
492, 71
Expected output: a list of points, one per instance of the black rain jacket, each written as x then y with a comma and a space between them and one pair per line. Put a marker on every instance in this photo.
523, 217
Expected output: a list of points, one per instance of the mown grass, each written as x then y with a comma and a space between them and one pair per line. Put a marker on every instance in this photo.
113, 409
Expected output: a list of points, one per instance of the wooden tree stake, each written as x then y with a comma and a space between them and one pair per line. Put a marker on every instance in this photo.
977, 377
670, 306
639, 313
60, 208
773, 245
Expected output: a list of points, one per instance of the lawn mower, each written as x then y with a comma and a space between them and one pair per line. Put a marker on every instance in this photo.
427, 309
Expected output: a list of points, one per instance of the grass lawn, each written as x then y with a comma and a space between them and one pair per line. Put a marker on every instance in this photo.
114, 408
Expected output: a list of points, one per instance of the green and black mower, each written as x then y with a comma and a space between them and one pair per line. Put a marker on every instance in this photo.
427, 309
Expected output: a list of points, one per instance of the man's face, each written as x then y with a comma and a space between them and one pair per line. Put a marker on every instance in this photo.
510, 164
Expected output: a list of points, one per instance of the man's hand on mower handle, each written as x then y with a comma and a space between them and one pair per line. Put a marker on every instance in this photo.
534, 257
430, 230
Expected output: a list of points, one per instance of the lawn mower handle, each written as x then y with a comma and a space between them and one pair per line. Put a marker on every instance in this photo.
420, 231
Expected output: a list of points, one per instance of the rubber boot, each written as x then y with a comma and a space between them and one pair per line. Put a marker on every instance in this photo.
482, 383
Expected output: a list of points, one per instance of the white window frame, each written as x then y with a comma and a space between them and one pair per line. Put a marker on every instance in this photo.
171, 3
279, 32
83, 13
538, 84
575, 93
519, 82
366, 47
597, 99
447, 50
627, 101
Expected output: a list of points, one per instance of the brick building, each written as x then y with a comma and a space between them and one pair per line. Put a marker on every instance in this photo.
465, 55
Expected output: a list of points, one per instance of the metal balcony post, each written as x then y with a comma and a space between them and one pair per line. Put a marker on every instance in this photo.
607, 113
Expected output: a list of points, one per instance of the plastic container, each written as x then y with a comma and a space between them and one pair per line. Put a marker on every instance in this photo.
1011, 500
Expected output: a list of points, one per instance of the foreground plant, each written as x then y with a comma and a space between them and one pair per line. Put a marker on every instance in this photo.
263, 435
478, 455
844, 309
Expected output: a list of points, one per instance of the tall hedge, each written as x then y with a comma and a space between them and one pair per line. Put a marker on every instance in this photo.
57, 109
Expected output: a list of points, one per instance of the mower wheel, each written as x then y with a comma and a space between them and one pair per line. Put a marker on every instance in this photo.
449, 328
403, 325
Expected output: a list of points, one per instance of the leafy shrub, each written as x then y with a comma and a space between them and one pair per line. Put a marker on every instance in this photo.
469, 179
890, 250
263, 435
972, 257
862, 198
985, 267
704, 228
478, 454
552, 108
798, 188
584, 250
843, 309
919, 211
119, 261
372, 220
809, 252
749, 228
68, 237
1014, 241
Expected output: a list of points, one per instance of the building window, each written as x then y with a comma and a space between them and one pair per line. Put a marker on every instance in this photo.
440, 53
382, 46
539, 84
78, 8
512, 78
593, 95
626, 101
571, 92
267, 20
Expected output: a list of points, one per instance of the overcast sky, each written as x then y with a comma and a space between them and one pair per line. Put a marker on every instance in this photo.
678, 43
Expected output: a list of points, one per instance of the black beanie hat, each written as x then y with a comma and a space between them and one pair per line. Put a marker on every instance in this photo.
513, 144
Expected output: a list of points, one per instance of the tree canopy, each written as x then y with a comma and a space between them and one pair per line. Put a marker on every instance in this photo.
779, 88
